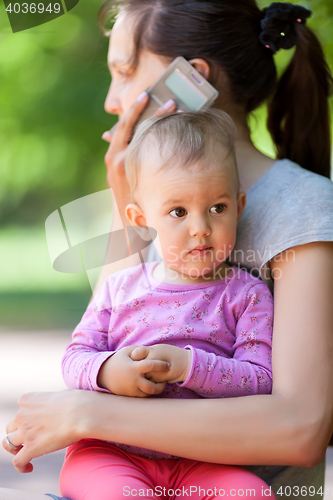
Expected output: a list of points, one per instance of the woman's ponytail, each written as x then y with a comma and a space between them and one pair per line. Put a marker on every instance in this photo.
298, 114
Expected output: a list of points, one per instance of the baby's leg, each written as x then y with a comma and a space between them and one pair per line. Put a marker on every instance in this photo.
94, 470
203, 481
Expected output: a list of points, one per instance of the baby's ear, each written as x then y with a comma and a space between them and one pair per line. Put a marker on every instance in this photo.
241, 202
137, 219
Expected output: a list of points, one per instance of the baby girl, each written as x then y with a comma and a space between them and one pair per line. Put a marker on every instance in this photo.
190, 326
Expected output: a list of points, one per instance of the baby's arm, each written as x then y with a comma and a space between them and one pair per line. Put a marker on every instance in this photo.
90, 363
211, 375
249, 371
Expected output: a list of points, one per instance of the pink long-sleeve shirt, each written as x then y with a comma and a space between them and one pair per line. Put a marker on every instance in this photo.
227, 324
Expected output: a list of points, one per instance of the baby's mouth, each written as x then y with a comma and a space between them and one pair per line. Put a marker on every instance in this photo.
200, 250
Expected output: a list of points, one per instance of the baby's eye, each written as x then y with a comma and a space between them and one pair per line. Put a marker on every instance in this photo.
178, 212
218, 209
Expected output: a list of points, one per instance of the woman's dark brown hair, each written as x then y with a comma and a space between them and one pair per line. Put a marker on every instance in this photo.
225, 33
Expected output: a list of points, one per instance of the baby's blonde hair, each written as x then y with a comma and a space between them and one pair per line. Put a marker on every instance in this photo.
183, 139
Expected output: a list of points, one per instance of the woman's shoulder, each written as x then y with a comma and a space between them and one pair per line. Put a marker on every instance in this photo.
290, 195
287, 207
286, 177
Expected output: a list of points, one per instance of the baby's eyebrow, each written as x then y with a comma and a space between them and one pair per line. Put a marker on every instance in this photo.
224, 195
173, 202
183, 201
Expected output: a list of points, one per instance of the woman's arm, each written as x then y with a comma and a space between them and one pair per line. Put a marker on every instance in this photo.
296, 419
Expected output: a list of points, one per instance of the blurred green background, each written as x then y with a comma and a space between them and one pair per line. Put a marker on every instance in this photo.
54, 80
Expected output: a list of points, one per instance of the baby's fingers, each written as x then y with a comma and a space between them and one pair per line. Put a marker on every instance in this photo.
153, 365
149, 387
139, 353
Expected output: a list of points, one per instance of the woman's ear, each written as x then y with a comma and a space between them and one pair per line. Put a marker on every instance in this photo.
137, 219
202, 66
241, 202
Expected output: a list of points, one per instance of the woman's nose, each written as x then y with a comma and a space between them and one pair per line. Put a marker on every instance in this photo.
199, 227
112, 103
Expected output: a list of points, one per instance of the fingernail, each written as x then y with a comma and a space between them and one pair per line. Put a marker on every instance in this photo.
106, 136
169, 104
142, 96
180, 111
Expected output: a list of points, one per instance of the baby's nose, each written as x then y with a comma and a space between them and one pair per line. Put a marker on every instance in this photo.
200, 227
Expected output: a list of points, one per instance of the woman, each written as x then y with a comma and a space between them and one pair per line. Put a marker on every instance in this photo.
289, 210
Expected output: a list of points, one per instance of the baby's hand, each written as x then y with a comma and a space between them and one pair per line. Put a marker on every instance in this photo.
124, 376
179, 359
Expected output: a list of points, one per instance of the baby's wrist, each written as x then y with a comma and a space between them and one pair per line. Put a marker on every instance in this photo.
104, 375
187, 362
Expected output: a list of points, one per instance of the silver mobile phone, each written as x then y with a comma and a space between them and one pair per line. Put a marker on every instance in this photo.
182, 83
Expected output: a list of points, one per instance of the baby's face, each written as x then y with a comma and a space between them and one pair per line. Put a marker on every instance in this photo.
194, 210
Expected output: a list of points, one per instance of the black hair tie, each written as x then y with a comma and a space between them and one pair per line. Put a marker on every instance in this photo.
279, 25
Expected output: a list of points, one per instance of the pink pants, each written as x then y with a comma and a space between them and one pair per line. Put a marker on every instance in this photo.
94, 470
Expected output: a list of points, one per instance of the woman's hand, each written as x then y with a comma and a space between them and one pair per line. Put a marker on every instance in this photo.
119, 137
45, 423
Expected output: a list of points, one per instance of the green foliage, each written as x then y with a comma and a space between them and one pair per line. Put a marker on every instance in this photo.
54, 81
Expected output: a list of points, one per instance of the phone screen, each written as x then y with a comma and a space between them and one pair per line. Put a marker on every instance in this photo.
185, 90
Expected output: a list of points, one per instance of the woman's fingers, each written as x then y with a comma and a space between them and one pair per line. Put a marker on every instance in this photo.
7, 447
11, 427
124, 129
119, 137
107, 136
166, 109
115, 163
44, 423
22, 461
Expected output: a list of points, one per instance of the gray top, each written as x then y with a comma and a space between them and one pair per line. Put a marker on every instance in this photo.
286, 207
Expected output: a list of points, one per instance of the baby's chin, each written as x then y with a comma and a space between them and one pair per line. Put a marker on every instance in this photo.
198, 272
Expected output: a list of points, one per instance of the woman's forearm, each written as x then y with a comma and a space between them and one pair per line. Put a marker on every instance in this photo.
251, 430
